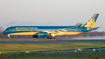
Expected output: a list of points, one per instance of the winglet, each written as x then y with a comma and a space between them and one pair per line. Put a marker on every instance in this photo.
79, 25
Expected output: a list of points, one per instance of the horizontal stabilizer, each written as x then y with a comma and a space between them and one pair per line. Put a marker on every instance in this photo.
96, 28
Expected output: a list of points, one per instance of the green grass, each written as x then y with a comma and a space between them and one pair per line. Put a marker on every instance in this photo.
6, 48
43, 39
72, 55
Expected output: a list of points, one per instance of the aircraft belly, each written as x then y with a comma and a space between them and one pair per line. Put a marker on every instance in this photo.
32, 33
23, 33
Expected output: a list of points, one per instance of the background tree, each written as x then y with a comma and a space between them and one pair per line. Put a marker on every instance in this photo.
1, 29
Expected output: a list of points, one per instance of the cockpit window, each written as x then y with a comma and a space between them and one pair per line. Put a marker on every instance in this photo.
6, 29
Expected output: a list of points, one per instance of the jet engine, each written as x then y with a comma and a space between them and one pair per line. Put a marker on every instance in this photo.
41, 34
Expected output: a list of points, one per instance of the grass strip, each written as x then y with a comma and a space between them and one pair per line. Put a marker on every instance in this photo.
72, 55
32, 47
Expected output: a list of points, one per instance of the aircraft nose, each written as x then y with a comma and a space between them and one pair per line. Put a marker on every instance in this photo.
3, 32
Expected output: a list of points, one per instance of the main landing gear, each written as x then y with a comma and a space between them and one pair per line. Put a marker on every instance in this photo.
51, 37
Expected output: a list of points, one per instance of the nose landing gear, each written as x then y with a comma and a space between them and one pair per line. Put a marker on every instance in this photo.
8, 36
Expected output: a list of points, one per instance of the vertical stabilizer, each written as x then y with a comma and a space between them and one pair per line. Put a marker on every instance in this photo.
91, 22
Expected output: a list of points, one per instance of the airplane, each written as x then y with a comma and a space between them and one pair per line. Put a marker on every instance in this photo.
51, 31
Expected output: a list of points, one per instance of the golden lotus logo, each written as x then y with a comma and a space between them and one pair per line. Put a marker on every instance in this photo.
16, 27
90, 24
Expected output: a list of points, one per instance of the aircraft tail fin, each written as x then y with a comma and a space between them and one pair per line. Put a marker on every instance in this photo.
91, 22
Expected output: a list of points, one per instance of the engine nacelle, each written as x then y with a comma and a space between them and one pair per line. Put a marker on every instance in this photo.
41, 34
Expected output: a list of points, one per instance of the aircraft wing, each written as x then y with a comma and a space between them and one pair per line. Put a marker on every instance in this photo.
54, 32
